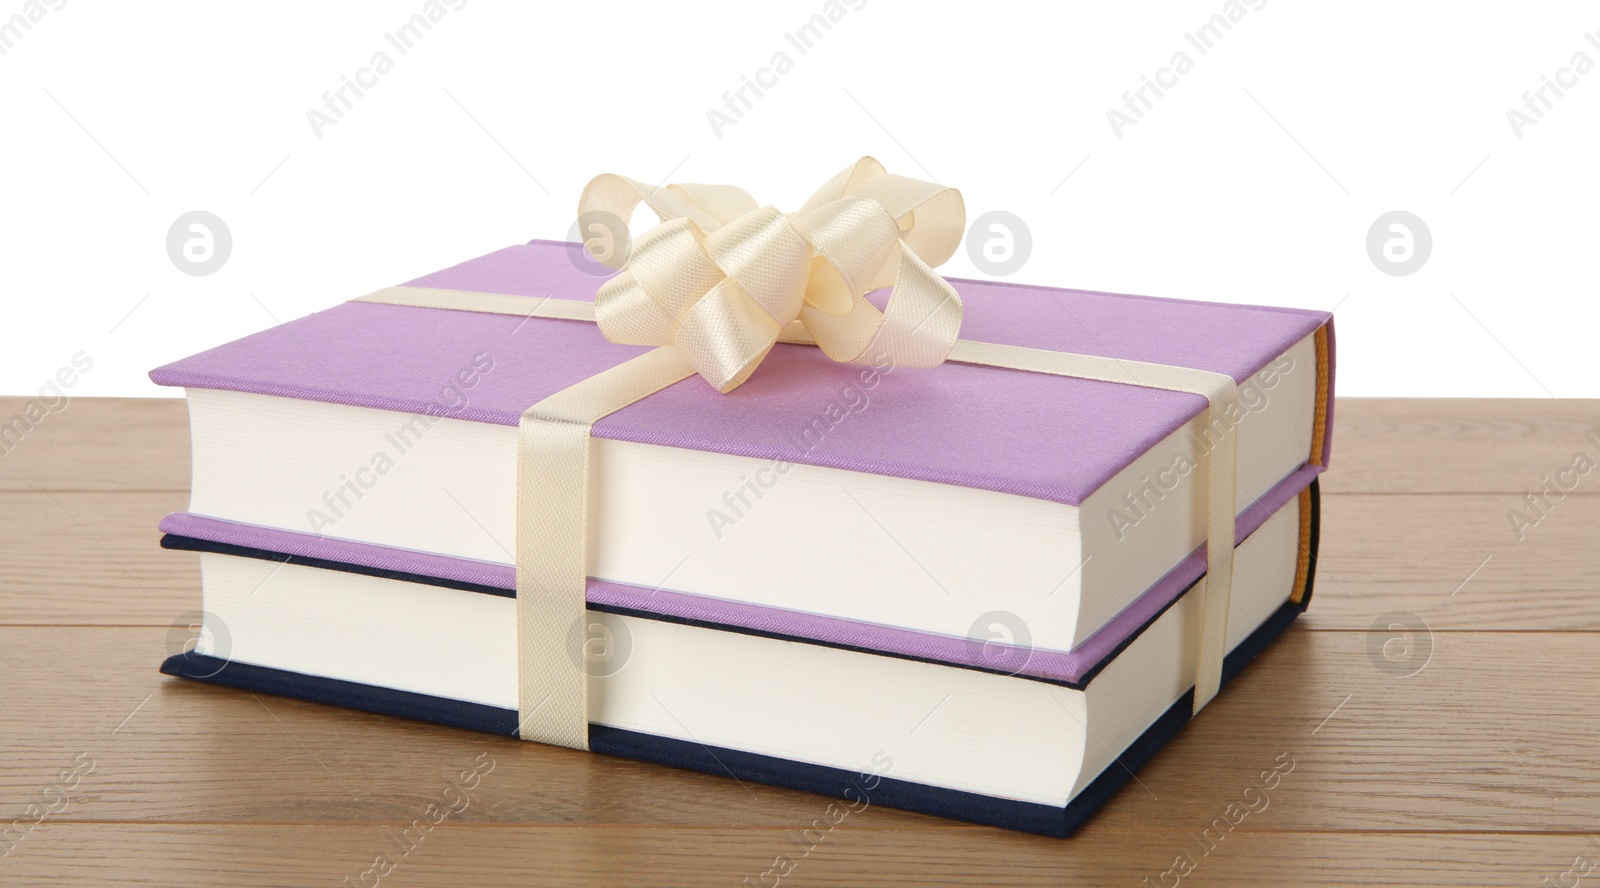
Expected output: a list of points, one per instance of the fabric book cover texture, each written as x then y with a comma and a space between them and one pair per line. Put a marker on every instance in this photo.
1045, 437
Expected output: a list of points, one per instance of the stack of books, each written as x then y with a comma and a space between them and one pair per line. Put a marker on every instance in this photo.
964, 588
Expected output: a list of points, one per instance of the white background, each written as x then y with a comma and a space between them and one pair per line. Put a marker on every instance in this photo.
1254, 179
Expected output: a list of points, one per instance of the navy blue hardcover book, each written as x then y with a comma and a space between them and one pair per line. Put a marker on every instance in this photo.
851, 784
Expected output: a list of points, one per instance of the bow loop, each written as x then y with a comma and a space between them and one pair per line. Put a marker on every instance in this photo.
854, 238
764, 254
667, 271
932, 218
722, 277
844, 183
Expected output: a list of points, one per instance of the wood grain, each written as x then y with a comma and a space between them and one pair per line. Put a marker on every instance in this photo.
119, 575
1506, 749
1408, 445
100, 444
1438, 703
857, 852
1457, 562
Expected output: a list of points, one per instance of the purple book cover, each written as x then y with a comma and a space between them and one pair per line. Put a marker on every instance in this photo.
1035, 435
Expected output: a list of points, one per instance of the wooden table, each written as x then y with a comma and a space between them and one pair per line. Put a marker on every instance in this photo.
1464, 753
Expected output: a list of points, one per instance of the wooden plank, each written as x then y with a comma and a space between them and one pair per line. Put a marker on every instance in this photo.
100, 444
1492, 732
1456, 562
1443, 445
92, 558
861, 850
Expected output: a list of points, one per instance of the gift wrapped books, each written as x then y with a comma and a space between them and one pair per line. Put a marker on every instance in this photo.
982, 584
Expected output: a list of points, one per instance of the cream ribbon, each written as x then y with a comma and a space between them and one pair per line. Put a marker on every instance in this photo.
715, 286
721, 278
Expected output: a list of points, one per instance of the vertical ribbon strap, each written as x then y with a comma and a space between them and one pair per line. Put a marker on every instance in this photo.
1220, 462
552, 541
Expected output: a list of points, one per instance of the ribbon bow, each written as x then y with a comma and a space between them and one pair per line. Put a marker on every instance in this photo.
723, 279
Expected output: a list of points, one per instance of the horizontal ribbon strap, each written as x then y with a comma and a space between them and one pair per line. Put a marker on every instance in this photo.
517, 306
486, 303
